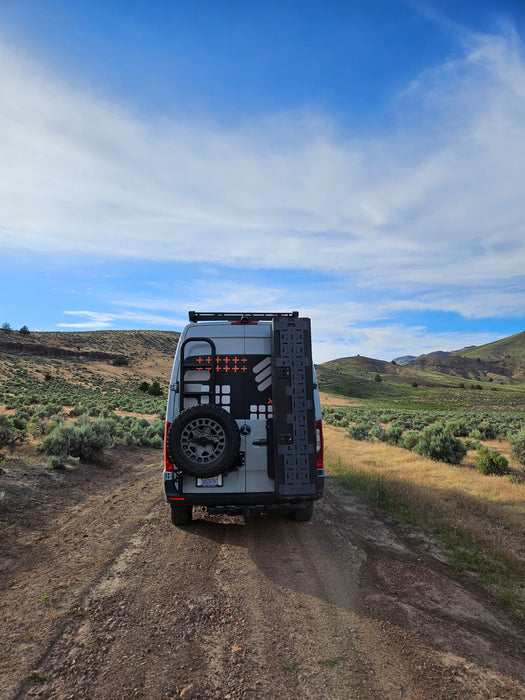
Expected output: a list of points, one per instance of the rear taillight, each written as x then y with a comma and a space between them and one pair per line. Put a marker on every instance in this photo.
319, 443
168, 464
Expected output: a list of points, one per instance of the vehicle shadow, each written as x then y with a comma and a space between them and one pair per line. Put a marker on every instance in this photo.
305, 558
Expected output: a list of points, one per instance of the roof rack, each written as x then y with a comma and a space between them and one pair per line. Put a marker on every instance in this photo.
240, 317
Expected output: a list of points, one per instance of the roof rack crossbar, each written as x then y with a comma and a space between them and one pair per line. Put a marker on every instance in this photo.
196, 316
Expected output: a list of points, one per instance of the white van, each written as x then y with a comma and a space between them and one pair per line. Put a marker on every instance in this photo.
243, 421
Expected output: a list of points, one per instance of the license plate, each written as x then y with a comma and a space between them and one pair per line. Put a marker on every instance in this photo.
210, 481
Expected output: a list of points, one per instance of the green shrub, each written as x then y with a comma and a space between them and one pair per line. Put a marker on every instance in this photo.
77, 410
359, 431
379, 433
84, 439
154, 389
436, 442
409, 439
488, 430
55, 462
19, 421
13, 429
120, 361
393, 434
339, 423
491, 462
457, 427
518, 445
7, 432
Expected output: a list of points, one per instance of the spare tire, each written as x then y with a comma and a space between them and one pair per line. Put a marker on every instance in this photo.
204, 441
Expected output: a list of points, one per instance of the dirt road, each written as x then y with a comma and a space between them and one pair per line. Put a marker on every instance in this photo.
101, 597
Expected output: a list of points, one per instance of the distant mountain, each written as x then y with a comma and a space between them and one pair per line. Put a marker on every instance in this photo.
408, 358
404, 359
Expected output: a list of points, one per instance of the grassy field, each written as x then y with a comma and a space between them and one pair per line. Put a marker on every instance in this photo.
389, 385
475, 522
471, 520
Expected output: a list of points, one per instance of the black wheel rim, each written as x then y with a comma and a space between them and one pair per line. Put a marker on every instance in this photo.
203, 440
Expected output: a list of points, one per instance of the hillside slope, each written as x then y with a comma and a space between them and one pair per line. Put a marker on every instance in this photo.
502, 361
511, 348
87, 356
475, 368
429, 381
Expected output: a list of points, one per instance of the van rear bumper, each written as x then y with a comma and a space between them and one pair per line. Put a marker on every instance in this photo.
266, 501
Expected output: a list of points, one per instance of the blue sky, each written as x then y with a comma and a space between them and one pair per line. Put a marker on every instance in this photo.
363, 163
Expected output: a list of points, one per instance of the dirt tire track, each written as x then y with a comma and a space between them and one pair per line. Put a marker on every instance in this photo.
64, 539
343, 607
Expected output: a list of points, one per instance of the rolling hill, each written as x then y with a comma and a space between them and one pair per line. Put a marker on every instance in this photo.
87, 357
502, 361
511, 348
436, 380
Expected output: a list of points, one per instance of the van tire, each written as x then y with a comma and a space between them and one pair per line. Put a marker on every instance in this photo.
181, 516
204, 441
303, 515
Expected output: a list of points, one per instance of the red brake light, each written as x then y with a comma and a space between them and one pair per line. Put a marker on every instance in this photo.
319, 443
168, 464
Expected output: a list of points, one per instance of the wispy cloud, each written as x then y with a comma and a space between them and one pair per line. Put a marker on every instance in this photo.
433, 207
100, 320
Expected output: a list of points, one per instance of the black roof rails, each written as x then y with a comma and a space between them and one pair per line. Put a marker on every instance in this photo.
241, 317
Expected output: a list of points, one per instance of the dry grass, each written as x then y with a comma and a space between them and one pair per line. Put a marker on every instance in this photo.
479, 520
329, 400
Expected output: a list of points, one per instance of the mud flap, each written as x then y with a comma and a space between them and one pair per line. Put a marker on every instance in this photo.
293, 427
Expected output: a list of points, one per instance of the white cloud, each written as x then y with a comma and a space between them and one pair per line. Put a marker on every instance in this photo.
394, 340
96, 319
435, 205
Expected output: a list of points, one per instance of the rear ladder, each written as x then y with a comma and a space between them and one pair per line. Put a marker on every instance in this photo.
206, 363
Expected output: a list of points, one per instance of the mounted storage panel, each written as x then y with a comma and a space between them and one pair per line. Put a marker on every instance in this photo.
294, 437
